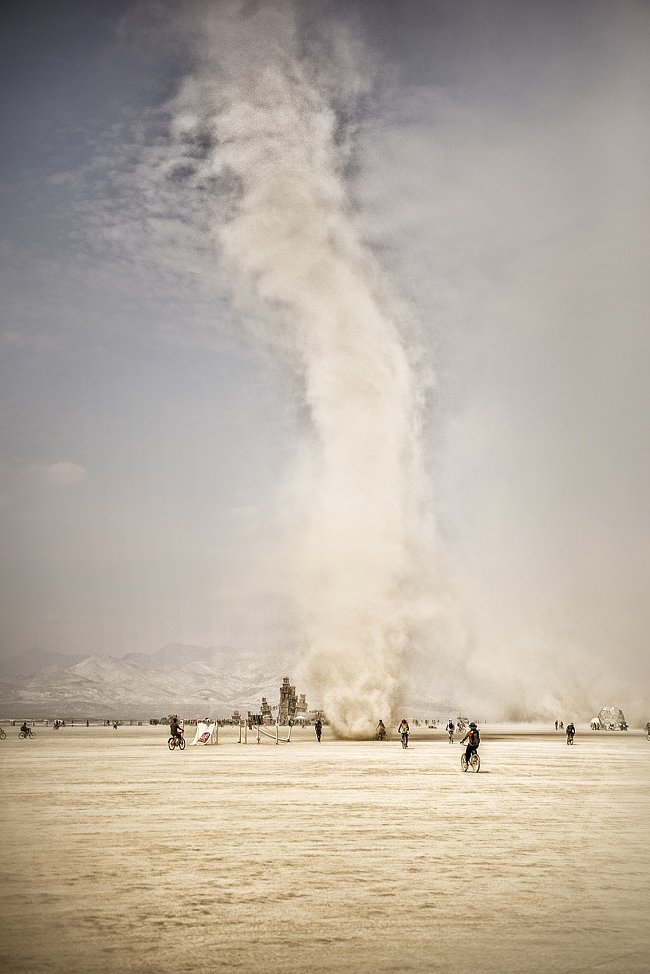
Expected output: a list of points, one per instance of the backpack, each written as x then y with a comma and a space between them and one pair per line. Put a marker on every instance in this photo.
475, 737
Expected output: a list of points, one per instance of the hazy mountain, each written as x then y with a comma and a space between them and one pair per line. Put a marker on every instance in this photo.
194, 680
35, 661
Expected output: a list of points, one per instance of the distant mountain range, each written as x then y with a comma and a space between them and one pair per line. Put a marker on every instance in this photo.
192, 680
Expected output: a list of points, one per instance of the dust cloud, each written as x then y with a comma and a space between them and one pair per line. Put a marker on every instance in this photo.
267, 116
285, 145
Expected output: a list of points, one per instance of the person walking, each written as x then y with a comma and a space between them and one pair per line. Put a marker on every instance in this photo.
318, 727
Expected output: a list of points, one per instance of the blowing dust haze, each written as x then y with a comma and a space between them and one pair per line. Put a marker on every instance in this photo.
275, 124
440, 548
326, 340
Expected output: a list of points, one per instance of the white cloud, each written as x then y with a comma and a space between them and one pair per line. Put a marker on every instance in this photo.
57, 476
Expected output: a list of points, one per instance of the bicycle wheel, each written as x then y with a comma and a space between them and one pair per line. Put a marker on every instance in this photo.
2, 734
475, 762
181, 743
171, 743
463, 762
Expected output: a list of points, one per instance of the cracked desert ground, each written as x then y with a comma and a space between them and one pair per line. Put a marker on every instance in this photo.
119, 856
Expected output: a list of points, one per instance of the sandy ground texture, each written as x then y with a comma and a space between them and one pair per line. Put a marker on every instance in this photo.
120, 856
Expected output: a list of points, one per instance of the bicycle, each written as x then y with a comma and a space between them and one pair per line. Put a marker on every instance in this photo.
23, 735
178, 742
473, 764
3, 734
405, 738
569, 739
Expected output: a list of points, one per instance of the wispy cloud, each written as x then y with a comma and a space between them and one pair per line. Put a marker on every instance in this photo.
57, 476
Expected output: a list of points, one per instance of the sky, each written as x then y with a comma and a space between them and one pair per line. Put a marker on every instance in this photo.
494, 170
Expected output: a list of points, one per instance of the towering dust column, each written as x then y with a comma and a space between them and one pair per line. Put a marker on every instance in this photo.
266, 106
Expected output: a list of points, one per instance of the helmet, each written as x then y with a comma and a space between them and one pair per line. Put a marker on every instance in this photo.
472, 725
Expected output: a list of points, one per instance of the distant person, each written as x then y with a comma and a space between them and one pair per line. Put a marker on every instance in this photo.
24, 729
473, 739
647, 727
380, 733
318, 727
403, 729
114, 725
175, 729
561, 725
87, 723
450, 730
570, 733
556, 725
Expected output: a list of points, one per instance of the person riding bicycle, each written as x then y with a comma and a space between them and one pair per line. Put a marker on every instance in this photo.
570, 732
24, 728
380, 733
175, 729
473, 739
403, 729
450, 729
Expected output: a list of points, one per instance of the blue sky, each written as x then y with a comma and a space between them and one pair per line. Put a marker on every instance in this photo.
498, 173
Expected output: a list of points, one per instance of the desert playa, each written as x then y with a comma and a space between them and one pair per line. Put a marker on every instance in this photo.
118, 855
